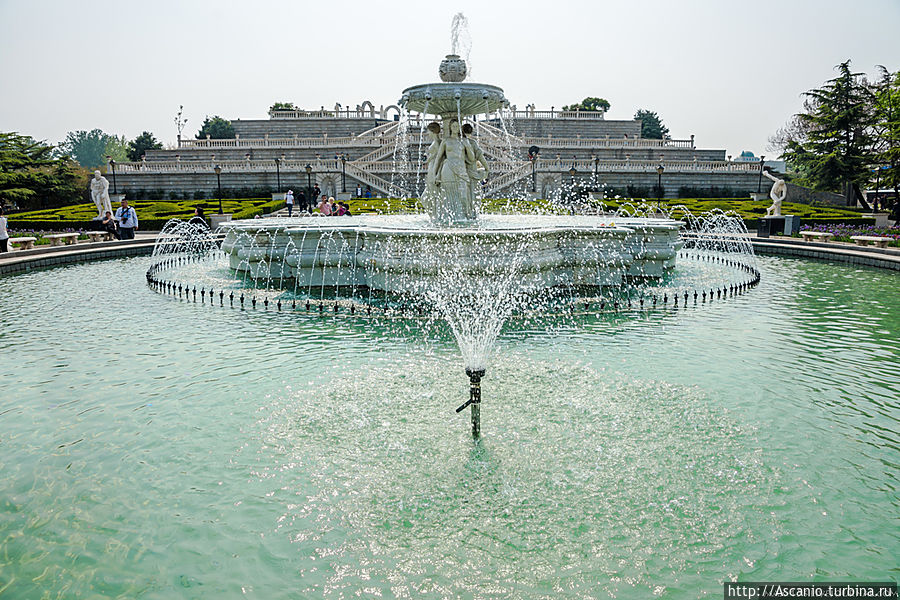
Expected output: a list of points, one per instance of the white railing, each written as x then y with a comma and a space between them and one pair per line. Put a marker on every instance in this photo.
591, 143
325, 114
375, 181
314, 142
495, 184
386, 166
554, 114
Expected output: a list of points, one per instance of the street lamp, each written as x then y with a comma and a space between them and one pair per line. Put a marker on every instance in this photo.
218, 171
310, 200
343, 158
762, 161
112, 165
278, 173
659, 189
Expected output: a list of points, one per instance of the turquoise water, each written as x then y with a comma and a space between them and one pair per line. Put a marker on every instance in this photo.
154, 448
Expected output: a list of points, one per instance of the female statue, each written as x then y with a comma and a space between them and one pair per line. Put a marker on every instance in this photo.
476, 174
454, 178
431, 198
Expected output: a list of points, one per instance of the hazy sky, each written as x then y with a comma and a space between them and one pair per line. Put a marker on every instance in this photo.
729, 72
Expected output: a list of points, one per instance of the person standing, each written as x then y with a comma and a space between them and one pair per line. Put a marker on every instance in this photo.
302, 205
315, 194
324, 206
128, 221
4, 234
289, 200
359, 191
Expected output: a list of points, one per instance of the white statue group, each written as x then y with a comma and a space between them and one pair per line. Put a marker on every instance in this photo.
456, 166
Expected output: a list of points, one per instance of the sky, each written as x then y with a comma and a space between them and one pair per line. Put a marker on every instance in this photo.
729, 72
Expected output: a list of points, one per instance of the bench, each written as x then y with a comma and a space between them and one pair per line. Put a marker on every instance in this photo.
58, 239
865, 240
26, 243
809, 236
99, 236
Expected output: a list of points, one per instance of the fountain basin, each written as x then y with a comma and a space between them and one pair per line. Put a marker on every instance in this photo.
453, 98
406, 254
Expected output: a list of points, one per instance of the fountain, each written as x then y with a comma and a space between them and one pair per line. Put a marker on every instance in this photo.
474, 271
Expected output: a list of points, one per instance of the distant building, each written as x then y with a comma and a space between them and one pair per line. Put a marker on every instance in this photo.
342, 148
748, 157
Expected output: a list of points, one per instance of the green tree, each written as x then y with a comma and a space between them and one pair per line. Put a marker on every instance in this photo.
88, 148
116, 148
138, 146
32, 178
217, 128
282, 106
652, 127
834, 148
591, 104
886, 93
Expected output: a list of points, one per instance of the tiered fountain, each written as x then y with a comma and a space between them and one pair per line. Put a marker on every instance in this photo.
472, 270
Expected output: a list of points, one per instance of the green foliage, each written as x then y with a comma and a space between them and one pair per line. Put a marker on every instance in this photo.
652, 127
282, 106
591, 104
887, 129
87, 148
138, 146
835, 142
152, 215
117, 148
30, 177
217, 128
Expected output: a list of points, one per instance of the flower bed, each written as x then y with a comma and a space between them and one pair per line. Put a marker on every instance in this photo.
843, 231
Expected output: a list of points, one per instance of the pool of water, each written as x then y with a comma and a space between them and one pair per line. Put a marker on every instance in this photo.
156, 448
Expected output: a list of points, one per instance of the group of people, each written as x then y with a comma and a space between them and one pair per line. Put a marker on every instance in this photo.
123, 224
327, 206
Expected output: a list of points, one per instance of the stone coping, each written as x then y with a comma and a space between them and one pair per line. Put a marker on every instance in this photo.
23, 261
883, 258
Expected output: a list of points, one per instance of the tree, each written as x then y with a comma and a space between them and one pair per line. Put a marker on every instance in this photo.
834, 148
217, 128
282, 106
591, 104
32, 178
88, 148
139, 146
886, 92
652, 127
117, 148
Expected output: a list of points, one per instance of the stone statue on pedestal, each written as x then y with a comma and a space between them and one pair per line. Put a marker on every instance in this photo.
431, 197
100, 195
778, 194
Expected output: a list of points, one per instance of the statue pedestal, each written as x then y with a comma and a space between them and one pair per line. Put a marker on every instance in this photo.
757, 196
344, 196
116, 199
216, 219
770, 226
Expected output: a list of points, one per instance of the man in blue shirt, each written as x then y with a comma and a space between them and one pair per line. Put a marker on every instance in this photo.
128, 221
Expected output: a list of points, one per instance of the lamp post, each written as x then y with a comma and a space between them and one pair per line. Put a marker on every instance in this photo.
310, 200
112, 165
343, 158
659, 189
762, 161
218, 171
278, 173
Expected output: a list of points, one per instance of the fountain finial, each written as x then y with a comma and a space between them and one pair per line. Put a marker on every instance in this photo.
453, 69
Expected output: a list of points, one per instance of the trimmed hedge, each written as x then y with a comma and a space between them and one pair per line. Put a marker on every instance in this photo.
152, 216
